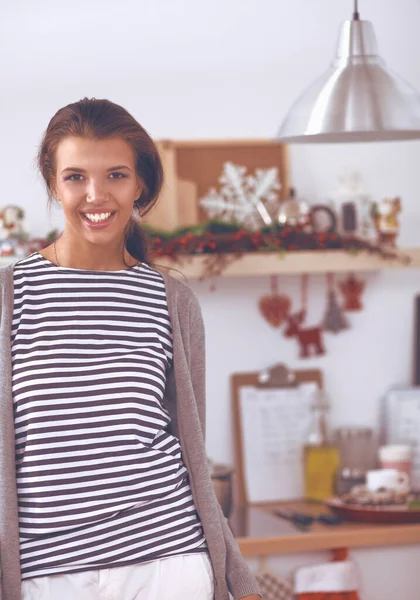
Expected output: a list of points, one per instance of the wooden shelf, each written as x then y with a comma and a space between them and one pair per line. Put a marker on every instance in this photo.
271, 263
317, 261
260, 533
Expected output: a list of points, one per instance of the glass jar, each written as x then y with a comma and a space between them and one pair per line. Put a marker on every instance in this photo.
357, 456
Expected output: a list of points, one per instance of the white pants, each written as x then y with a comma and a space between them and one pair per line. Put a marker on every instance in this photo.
182, 577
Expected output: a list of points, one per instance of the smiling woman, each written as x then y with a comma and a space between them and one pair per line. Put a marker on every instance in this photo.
96, 159
97, 184
104, 478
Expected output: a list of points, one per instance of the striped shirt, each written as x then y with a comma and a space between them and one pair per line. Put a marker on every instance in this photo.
101, 481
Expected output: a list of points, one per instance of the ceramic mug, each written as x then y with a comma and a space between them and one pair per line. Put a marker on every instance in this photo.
396, 456
389, 479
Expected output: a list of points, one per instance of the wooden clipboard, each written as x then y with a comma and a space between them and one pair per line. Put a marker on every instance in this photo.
276, 377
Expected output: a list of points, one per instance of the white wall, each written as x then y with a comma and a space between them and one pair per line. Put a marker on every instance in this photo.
228, 69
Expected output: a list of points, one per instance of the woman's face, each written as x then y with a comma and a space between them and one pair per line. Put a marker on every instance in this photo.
96, 176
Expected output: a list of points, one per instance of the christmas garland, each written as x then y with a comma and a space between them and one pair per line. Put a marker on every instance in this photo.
223, 243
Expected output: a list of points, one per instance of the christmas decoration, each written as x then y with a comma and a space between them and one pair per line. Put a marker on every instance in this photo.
214, 264
352, 289
336, 580
353, 205
309, 338
218, 239
385, 214
293, 211
334, 319
275, 307
14, 240
318, 218
322, 219
247, 199
12, 219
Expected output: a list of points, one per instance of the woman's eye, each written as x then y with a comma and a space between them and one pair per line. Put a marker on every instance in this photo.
73, 177
118, 175
79, 177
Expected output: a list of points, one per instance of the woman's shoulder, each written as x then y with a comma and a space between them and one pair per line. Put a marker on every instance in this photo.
179, 293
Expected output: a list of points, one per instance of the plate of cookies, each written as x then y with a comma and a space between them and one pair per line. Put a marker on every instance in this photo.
377, 506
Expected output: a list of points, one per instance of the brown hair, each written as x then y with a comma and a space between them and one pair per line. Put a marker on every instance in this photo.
101, 119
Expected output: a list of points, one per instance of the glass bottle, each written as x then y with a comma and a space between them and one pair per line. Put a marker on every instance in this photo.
321, 458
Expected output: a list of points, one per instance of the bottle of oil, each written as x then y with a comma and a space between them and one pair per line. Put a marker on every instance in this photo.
321, 459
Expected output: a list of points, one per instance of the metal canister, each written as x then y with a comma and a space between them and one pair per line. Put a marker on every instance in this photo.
222, 479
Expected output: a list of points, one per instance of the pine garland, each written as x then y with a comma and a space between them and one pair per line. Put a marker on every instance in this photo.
223, 243
218, 239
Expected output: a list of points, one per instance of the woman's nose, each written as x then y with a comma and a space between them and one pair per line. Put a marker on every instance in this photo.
96, 190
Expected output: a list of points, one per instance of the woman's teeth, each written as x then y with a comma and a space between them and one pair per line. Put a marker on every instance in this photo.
98, 217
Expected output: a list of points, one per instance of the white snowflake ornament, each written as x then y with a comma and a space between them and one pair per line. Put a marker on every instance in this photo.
248, 199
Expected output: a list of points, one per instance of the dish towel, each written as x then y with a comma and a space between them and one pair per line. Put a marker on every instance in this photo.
274, 588
271, 586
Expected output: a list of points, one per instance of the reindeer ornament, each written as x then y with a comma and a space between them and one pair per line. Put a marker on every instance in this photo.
275, 309
309, 338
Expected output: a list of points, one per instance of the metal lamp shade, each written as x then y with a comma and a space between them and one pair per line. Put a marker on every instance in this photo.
357, 100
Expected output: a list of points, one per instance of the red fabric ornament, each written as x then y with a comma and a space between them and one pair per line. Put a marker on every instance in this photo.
352, 289
340, 580
275, 307
309, 338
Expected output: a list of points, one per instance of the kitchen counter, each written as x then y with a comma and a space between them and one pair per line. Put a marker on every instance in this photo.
259, 532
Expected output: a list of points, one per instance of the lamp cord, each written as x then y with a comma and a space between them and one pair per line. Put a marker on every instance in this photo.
356, 15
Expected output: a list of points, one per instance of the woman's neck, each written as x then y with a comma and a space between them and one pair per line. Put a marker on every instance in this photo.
65, 255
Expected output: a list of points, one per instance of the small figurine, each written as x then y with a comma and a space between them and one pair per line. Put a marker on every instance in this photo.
385, 215
12, 217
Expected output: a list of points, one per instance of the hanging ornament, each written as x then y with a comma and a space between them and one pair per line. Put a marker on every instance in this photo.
334, 319
247, 199
309, 338
275, 307
352, 289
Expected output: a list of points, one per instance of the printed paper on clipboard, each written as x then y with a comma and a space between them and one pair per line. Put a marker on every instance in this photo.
275, 424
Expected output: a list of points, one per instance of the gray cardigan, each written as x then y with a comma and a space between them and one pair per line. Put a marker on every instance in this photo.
185, 400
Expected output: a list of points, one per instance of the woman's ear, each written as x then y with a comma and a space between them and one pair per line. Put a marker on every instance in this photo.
53, 187
140, 187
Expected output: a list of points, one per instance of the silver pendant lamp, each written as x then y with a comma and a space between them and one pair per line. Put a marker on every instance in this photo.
357, 100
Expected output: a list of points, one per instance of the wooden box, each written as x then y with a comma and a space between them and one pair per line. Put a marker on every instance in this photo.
192, 167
